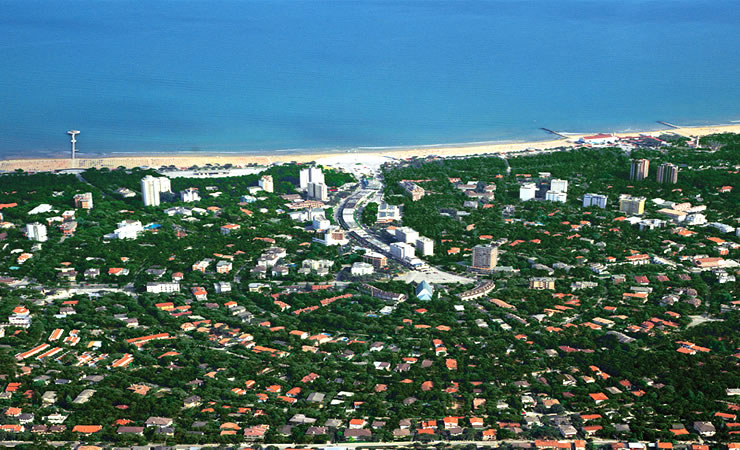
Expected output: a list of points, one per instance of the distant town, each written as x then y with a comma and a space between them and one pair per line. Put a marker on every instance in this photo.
571, 298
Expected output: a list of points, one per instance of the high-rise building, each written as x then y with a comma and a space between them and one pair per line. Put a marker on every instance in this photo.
318, 191
402, 250
594, 200
558, 185
553, 196
151, 187
485, 256
84, 201
632, 205
189, 195
165, 184
425, 246
266, 183
527, 191
406, 234
667, 173
311, 175
639, 169
36, 232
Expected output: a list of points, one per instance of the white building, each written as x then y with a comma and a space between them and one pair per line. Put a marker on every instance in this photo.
388, 213
318, 191
527, 191
128, 229
178, 211
407, 235
360, 269
222, 287
696, 219
320, 267
559, 185
722, 227
41, 209
552, 196
402, 250
321, 223
266, 183
36, 232
311, 175
151, 187
21, 317
162, 287
425, 246
594, 200
189, 195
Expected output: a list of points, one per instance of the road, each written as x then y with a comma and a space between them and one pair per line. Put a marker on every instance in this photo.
345, 216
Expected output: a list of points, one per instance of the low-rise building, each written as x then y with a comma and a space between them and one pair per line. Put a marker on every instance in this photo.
162, 287
542, 283
360, 269
388, 213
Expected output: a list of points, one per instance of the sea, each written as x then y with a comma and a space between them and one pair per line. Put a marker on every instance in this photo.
271, 76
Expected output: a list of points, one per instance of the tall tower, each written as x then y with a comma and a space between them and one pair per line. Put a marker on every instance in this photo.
485, 256
667, 173
73, 133
639, 169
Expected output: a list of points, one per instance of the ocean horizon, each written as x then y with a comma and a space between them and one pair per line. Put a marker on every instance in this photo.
264, 76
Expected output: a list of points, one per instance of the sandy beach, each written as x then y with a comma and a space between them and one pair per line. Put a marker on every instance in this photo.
185, 160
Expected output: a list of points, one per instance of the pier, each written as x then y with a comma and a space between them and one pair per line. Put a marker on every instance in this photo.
669, 125
554, 132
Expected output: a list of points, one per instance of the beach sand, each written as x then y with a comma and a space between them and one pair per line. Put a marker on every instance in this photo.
333, 158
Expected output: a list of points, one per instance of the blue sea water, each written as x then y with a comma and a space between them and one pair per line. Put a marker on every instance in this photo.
257, 75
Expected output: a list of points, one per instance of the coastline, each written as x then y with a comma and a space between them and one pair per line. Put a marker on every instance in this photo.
304, 156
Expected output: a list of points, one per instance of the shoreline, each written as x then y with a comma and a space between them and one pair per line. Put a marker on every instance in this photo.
296, 155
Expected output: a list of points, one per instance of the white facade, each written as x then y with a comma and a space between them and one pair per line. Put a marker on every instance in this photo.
222, 287
163, 287
165, 184
189, 195
594, 200
266, 183
20, 320
425, 246
696, 219
128, 229
36, 232
321, 223
361, 269
41, 209
552, 196
722, 227
527, 191
388, 213
151, 187
407, 235
318, 191
311, 175
402, 250
559, 185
